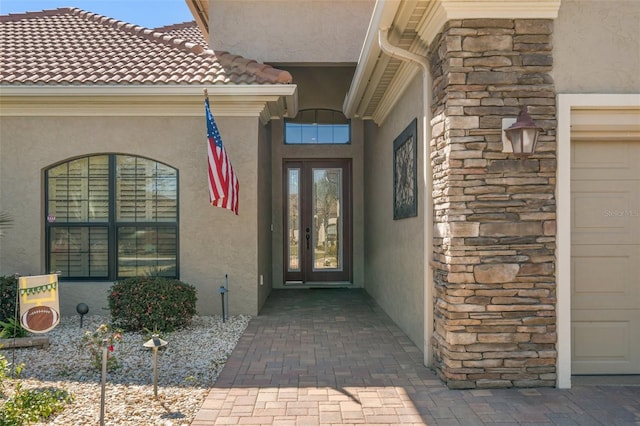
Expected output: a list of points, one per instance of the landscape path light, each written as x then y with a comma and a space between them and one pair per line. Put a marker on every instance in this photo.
82, 309
155, 343
222, 292
105, 354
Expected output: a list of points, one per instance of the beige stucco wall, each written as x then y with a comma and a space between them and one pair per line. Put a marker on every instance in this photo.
265, 269
319, 87
597, 47
394, 260
290, 31
352, 151
213, 241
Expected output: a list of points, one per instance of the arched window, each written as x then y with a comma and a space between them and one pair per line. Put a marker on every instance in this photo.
112, 216
317, 126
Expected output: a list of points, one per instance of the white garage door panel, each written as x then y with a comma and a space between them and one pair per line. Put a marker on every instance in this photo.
600, 277
604, 160
604, 212
605, 346
605, 257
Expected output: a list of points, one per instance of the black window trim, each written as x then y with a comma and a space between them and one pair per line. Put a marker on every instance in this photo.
111, 225
296, 121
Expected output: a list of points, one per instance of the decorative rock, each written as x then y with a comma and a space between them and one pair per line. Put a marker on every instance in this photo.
496, 237
484, 77
487, 43
461, 122
461, 338
534, 26
516, 229
490, 61
495, 273
188, 367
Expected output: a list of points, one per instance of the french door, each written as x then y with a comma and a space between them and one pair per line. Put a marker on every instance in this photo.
317, 212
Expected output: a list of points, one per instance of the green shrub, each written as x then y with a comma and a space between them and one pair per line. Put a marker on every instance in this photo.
33, 405
158, 303
11, 328
95, 342
4, 372
8, 287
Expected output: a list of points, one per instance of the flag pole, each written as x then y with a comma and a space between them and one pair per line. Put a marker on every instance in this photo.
223, 181
16, 320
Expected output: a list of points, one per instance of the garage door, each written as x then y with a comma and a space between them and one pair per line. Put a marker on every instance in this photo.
605, 257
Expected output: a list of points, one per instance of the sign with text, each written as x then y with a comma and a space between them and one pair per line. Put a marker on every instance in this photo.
39, 303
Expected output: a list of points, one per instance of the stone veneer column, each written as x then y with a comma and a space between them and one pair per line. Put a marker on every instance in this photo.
494, 248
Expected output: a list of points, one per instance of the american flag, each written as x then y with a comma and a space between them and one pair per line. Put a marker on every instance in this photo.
223, 182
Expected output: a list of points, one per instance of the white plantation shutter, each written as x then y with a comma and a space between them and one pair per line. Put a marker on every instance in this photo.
144, 197
146, 191
79, 190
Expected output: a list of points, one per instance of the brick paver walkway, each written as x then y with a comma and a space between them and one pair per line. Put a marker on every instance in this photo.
332, 356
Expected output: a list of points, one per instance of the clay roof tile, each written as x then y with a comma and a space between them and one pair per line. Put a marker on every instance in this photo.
73, 46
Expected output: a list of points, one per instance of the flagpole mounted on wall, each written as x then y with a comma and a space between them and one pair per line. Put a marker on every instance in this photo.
224, 187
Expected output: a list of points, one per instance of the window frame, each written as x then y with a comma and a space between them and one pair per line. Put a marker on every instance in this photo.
298, 120
112, 225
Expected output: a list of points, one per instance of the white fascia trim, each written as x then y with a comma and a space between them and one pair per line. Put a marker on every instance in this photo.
568, 103
264, 101
148, 90
436, 15
508, 9
447, 10
382, 17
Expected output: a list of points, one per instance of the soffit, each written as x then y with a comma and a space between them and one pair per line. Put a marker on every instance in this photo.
380, 81
200, 11
391, 72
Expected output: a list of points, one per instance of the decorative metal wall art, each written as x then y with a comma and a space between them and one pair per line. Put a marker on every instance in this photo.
405, 173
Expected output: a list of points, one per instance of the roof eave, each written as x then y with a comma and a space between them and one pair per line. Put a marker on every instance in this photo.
200, 11
382, 17
386, 14
265, 101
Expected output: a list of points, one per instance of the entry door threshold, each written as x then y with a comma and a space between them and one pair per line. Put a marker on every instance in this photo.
318, 284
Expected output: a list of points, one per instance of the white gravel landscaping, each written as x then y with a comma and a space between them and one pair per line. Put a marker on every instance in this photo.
188, 367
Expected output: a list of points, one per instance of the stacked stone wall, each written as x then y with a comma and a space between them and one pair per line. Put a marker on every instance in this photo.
494, 216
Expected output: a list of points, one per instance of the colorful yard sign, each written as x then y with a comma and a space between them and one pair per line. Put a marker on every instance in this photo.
39, 304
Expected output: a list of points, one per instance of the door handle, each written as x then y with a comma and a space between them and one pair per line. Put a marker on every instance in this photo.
308, 237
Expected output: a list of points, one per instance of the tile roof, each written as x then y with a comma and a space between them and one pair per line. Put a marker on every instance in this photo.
70, 46
186, 31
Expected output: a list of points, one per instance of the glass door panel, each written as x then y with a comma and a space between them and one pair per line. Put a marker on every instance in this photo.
327, 223
318, 228
293, 221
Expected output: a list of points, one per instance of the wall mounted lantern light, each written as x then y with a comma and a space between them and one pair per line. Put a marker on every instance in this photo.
521, 134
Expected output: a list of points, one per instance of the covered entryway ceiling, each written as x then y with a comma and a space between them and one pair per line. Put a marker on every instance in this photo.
380, 81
